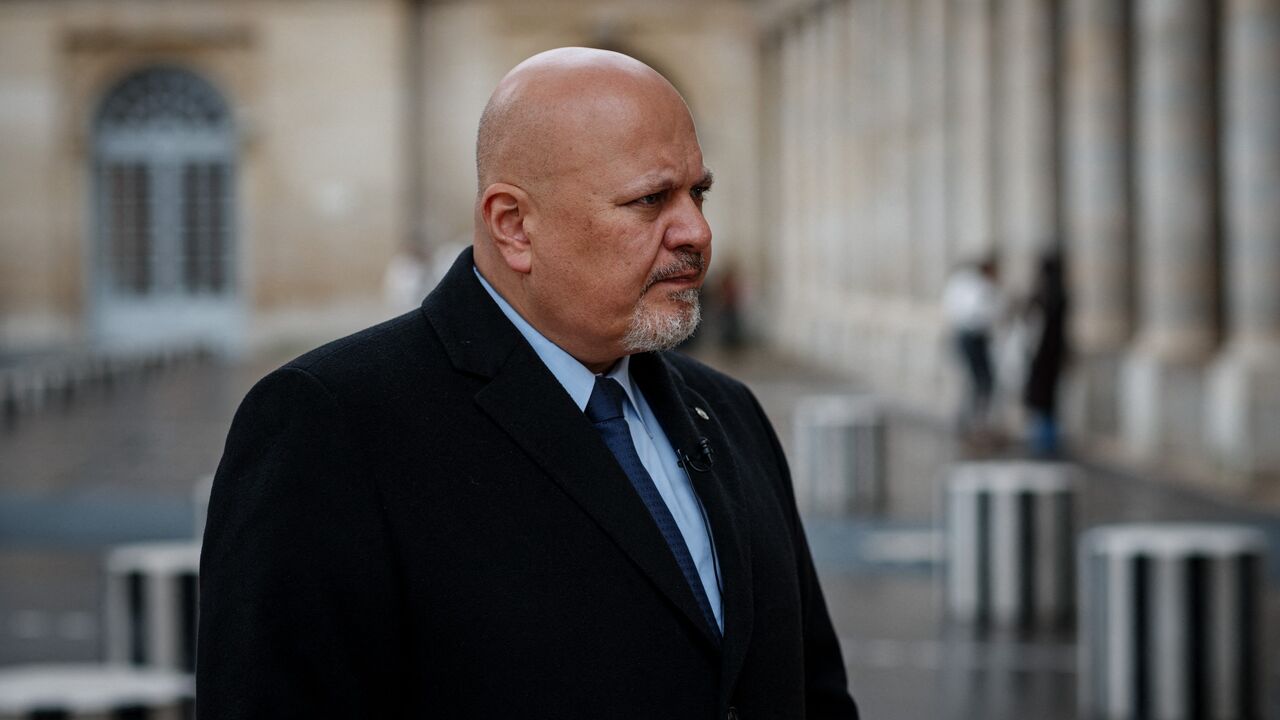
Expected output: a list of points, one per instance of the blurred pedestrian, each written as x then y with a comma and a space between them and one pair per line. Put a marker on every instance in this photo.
971, 304
729, 293
1046, 317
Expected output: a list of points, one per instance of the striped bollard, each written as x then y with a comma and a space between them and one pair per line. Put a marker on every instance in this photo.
93, 692
151, 604
1010, 532
1172, 622
840, 454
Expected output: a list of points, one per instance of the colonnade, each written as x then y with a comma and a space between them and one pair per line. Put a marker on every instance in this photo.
1141, 137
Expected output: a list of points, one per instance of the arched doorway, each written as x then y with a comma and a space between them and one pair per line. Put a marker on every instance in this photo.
164, 267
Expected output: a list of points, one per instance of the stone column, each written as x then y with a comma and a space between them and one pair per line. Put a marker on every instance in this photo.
845, 173
789, 272
970, 201
1164, 393
1028, 204
878, 138
830, 172
810, 245
863, 173
930, 191
1245, 391
1098, 223
930, 364
864, 26
851, 160
899, 135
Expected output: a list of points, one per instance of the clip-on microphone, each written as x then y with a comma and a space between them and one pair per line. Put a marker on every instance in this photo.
687, 462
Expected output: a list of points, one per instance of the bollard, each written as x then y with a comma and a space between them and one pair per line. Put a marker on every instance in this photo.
1172, 622
91, 692
840, 454
1010, 542
151, 604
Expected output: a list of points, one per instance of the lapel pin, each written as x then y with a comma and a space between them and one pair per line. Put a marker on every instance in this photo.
702, 413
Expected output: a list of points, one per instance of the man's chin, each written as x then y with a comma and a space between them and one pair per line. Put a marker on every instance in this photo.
655, 329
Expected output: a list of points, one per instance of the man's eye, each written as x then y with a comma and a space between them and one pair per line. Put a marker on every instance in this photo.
700, 193
650, 199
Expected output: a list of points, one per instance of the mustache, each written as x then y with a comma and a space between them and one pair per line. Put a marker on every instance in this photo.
684, 262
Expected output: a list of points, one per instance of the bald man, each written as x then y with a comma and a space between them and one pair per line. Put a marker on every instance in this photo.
513, 502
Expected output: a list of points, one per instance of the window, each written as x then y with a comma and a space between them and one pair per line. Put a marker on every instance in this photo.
164, 147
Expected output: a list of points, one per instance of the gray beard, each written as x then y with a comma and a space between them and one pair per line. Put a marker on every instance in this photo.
650, 331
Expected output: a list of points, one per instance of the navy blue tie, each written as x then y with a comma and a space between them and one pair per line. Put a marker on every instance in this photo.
604, 409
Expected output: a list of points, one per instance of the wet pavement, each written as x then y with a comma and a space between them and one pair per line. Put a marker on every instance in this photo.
117, 464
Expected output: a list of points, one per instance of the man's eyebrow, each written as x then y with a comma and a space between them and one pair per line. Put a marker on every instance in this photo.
663, 181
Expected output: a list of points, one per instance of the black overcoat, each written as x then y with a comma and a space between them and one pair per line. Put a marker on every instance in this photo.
416, 521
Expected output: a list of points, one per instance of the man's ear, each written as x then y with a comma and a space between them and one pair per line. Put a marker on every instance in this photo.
504, 209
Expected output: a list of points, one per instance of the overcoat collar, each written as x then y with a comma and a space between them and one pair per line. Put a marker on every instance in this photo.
527, 402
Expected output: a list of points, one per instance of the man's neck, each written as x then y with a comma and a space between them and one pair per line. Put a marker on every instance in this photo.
515, 300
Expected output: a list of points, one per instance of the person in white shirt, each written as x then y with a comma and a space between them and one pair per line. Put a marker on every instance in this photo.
971, 304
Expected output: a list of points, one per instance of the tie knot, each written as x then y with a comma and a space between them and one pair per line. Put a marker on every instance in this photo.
606, 400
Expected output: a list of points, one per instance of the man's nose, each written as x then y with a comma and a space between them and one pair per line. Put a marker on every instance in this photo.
688, 228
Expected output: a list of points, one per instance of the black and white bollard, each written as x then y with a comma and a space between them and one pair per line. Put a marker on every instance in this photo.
840, 455
151, 604
92, 692
1172, 622
1010, 544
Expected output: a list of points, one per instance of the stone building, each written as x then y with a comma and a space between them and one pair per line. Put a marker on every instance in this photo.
243, 171
901, 137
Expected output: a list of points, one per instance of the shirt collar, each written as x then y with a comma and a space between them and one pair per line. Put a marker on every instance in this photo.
576, 379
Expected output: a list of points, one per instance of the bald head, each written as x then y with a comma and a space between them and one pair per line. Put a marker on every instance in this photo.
588, 220
555, 105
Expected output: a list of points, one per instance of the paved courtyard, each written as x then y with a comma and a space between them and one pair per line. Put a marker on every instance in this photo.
117, 464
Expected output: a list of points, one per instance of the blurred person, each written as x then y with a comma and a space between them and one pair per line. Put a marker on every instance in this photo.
513, 501
1047, 319
971, 305
729, 293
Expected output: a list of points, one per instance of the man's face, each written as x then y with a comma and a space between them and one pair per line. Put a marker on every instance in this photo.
620, 244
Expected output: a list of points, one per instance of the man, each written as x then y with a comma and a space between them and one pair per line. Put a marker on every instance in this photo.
511, 503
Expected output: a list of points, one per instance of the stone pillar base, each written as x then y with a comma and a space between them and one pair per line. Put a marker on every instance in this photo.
1162, 407
1244, 415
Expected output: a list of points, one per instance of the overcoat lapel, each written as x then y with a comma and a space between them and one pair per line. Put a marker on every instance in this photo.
677, 406
530, 405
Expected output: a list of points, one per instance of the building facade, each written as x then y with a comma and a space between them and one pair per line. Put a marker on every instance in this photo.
242, 172
1142, 138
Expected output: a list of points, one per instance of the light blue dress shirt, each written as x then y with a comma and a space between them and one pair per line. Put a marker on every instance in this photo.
652, 444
